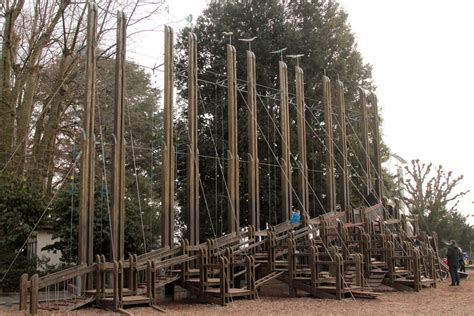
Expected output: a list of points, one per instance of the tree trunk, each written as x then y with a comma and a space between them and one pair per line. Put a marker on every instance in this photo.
7, 104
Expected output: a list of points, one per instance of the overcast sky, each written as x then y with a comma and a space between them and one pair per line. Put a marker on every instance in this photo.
422, 52
422, 55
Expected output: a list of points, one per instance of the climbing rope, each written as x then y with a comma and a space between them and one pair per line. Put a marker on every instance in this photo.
104, 171
136, 179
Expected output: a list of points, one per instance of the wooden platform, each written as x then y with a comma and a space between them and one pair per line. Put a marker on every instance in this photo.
210, 281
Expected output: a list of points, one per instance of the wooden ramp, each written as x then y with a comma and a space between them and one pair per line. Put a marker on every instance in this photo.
268, 278
66, 305
126, 301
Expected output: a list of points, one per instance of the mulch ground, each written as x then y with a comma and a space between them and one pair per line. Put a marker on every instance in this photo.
274, 300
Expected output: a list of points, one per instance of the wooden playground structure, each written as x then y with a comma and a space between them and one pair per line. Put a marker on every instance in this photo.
347, 252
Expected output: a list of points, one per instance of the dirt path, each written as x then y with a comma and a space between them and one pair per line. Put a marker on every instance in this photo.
444, 300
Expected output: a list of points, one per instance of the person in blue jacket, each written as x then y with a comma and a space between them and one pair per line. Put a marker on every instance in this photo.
295, 217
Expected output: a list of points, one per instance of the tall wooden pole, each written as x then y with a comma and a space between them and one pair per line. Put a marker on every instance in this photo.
376, 146
167, 195
86, 200
364, 135
330, 178
342, 144
193, 154
254, 188
303, 167
233, 222
286, 186
118, 173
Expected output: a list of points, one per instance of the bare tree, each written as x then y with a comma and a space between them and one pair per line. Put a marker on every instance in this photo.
433, 197
40, 74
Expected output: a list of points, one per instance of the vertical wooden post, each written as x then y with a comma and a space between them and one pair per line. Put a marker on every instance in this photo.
291, 267
167, 195
364, 135
343, 161
23, 291
253, 177
303, 167
150, 281
34, 295
330, 178
193, 153
286, 186
233, 221
115, 285
376, 144
86, 199
131, 273
120, 283
98, 277
118, 171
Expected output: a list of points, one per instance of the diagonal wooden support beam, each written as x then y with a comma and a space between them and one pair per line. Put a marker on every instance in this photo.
118, 171
328, 126
193, 154
233, 221
286, 186
167, 195
253, 177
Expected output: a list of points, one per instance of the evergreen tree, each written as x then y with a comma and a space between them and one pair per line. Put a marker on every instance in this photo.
317, 29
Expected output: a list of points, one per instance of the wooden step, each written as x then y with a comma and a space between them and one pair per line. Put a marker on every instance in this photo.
232, 291
210, 281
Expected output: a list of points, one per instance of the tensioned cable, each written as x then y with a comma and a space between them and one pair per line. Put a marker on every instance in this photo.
223, 178
310, 186
383, 185
260, 96
275, 156
136, 179
104, 170
218, 161
297, 195
355, 171
39, 220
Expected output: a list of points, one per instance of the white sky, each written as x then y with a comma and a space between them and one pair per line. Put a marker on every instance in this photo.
422, 53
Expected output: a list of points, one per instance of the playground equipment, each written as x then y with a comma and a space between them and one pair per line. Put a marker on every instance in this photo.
350, 252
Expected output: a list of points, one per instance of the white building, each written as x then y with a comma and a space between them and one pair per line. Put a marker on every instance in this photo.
40, 239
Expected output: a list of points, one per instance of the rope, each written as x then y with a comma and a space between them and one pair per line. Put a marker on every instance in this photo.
352, 182
73, 184
136, 179
39, 220
327, 250
104, 170
218, 161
